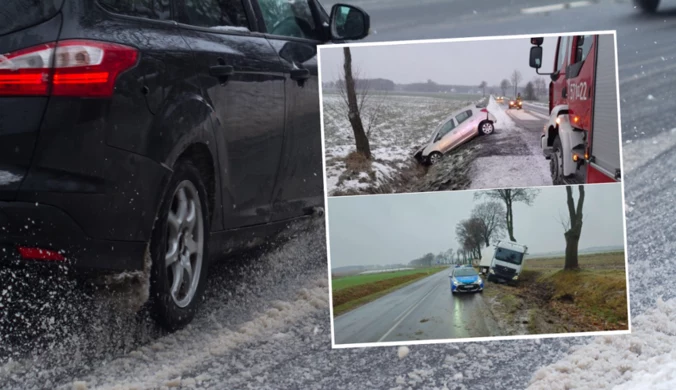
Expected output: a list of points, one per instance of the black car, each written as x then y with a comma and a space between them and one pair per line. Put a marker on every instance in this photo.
182, 129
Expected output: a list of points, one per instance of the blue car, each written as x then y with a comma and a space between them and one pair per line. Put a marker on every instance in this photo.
466, 279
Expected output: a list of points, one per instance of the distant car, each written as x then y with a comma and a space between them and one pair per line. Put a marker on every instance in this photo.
514, 103
456, 129
466, 279
500, 99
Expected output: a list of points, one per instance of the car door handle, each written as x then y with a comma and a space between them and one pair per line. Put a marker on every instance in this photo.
221, 70
300, 74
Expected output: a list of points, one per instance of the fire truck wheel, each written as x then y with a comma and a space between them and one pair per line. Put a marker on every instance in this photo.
556, 162
647, 6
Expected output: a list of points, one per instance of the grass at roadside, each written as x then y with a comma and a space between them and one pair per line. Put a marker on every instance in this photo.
350, 292
593, 296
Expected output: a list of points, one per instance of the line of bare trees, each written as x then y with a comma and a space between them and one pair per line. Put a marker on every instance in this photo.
533, 89
490, 220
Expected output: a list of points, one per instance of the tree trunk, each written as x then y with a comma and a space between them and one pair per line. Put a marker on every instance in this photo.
572, 241
572, 236
510, 219
360, 137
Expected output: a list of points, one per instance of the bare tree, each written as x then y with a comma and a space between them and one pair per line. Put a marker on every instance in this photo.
516, 78
370, 104
491, 218
361, 140
504, 86
573, 228
530, 91
483, 86
469, 235
540, 86
509, 196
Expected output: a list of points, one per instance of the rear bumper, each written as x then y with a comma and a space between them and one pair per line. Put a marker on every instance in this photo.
47, 227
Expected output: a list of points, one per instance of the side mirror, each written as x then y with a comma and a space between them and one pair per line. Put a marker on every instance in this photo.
349, 23
536, 41
536, 57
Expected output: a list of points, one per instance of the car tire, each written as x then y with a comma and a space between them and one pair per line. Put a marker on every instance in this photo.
647, 6
434, 158
486, 128
556, 162
173, 300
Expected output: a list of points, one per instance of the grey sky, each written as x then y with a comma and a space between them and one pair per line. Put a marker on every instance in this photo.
464, 63
391, 229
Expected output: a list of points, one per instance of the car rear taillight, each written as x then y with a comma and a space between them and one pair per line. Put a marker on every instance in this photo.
78, 68
39, 254
484, 110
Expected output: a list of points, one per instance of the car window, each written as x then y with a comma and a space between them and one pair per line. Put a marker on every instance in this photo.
463, 116
212, 13
150, 9
563, 45
464, 272
448, 126
586, 47
289, 18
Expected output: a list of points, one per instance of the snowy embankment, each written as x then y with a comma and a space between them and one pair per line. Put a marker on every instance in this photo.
396, 124
510, 171
644, 359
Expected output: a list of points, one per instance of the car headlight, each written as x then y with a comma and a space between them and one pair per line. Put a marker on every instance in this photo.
455, 282
515, 277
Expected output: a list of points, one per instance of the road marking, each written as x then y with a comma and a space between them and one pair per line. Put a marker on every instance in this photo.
555, 7
539, 114
406, 313
524, 116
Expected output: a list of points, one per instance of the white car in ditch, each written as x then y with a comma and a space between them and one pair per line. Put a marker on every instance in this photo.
458, 128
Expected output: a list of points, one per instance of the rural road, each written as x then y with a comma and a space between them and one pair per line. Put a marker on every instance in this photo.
424, 310
530, 119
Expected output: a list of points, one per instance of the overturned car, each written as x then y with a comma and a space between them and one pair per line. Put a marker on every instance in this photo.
456, 129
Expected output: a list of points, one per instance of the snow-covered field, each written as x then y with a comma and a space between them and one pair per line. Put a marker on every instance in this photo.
403, 123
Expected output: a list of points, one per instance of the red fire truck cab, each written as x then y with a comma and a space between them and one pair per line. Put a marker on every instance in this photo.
581, 139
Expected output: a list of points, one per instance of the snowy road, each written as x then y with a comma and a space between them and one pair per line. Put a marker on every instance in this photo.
290, 348
424, 310
512, 156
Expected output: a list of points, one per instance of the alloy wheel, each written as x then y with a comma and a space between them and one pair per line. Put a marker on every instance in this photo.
185, 243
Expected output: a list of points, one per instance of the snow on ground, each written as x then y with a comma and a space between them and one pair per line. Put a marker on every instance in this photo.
644, 359
511, 171
402, 124
634, 152
247, 300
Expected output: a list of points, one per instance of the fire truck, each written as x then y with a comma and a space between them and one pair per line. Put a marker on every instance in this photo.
581, 139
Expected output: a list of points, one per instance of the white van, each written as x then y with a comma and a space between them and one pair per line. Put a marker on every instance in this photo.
507, 261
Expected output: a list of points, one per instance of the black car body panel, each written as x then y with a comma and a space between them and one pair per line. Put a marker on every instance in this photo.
85, 175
